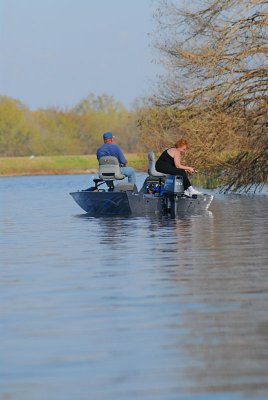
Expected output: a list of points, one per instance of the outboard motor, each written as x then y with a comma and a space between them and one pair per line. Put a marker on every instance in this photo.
173, 189
174, 184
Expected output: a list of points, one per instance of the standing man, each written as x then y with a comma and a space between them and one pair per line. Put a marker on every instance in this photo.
111, 149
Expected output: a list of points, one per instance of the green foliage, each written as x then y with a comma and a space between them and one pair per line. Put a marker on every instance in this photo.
56, 132
17, 132
98, 104
103, 113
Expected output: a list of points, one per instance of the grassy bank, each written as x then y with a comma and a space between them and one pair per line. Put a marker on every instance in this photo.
56, 165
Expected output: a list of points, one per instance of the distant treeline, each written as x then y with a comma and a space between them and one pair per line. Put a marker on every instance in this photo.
53, 131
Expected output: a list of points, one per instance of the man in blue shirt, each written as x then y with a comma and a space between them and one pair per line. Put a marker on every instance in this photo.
111, 149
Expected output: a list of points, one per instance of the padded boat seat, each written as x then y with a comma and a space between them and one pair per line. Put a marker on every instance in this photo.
109, 170
151, 166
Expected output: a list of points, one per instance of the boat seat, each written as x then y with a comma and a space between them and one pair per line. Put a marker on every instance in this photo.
151, 166
109, 170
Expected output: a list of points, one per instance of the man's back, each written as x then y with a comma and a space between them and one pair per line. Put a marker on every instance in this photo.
111, 149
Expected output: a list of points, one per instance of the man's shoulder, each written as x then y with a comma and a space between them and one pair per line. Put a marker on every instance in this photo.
100, 147
115, 146
109, 148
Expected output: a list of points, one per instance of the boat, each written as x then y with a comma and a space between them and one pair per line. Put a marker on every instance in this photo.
160, 193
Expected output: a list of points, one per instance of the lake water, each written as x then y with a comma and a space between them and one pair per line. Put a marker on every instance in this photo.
130, 308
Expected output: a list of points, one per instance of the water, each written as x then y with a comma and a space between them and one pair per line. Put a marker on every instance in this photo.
130, 308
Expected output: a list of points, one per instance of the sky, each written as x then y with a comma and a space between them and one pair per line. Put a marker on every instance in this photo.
54, 53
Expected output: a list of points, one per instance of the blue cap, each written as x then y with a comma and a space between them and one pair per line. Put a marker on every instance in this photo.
107, 135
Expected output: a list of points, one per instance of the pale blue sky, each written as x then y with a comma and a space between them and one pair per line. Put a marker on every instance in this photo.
56, 52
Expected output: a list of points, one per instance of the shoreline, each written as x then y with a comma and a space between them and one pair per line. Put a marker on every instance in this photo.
44, 172
59, 165
56, 172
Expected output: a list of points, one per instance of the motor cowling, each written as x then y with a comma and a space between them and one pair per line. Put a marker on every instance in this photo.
174, 184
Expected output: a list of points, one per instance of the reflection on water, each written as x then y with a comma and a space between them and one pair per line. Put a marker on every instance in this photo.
131, 308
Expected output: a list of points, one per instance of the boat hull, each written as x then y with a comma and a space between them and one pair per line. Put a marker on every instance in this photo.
103, 203
193, 205
133, 203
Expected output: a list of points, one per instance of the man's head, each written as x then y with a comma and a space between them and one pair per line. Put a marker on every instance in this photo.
107, 137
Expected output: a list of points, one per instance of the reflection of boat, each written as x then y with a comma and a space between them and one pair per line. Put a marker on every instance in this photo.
160, 194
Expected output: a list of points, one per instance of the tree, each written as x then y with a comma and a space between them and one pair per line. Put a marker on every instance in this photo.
53, 131
103, 113
99, 104
216, 61
57, 132
16, 131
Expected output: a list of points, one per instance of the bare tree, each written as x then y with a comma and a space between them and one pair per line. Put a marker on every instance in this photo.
216, 62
